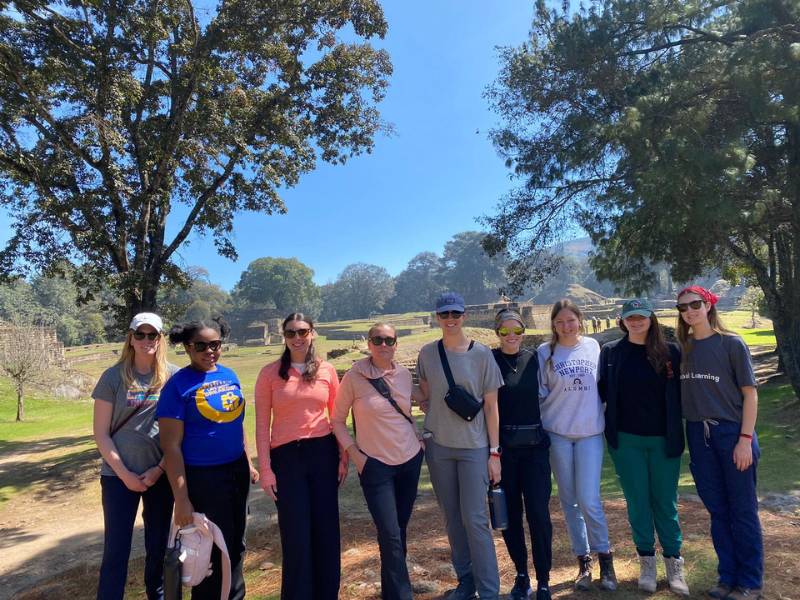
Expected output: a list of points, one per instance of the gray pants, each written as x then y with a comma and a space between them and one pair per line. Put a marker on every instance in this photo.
461, 480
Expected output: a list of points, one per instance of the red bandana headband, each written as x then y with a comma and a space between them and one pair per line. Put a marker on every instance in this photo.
707, 296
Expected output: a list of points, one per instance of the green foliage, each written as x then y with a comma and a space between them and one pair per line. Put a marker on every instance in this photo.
52, 301
671, 132
418, 285
470, 271
114, 114
359, 291
198, 300
282, 283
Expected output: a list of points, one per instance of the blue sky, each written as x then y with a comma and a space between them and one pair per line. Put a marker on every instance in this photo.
419, 187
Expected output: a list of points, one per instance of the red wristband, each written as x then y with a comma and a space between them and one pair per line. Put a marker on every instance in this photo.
746, 435
497, 454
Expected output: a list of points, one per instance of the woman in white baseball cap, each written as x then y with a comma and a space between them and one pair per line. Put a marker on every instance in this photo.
126, 433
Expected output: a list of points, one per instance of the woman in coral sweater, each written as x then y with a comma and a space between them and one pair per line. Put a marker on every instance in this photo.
300, 463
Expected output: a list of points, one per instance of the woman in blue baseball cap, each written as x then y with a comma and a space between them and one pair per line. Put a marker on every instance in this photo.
639, 382
462, 446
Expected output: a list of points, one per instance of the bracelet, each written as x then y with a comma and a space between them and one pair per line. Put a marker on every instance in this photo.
497, 454
160, 467
746, 435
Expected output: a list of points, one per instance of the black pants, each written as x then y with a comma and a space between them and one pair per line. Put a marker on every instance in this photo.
526, 480
390, 492
220, 493
306, 474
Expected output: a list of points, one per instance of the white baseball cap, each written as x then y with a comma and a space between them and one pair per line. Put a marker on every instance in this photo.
147, 318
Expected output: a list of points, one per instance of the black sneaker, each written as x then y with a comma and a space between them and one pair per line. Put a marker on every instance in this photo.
522, 588
464, 591
543, 593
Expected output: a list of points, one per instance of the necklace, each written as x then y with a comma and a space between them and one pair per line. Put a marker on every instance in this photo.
505, 360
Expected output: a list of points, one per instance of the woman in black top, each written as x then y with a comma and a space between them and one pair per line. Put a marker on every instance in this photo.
639, 382
525, 458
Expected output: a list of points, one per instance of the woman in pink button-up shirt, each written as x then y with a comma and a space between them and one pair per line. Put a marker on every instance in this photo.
387, 451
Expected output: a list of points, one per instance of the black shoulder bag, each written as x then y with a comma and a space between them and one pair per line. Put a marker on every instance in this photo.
459, 400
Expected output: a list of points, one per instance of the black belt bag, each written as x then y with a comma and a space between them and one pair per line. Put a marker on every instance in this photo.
523, 436
459, 400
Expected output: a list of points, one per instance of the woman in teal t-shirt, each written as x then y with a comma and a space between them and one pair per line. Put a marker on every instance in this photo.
201, 415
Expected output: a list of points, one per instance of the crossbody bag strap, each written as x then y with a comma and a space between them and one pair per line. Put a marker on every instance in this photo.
383, 389
445, 365
129, 417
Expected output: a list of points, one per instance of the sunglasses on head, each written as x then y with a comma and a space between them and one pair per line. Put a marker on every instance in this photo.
504, 331
203, 346
450, 314
378, 340
140, 335
684, 306
290, 333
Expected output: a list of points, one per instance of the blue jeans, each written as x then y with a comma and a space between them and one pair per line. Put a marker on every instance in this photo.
390, 492
577, 464
730, 497
460, 478
119, 513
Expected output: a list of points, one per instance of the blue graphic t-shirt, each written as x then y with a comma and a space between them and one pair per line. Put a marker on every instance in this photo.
211, 406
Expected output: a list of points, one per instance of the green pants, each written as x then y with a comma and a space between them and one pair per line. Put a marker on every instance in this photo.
649, 481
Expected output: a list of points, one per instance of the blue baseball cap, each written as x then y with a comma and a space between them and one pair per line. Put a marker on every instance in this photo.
637, 306
449, 301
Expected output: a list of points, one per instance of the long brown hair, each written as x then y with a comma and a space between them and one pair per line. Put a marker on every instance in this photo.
311, 361
655, 344
686, 337
159, 374
557, 308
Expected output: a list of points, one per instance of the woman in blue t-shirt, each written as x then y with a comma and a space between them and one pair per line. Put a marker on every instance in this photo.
201, 416
720, 404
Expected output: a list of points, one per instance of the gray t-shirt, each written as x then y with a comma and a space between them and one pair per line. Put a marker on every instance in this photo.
568, 398
713, 373
476, 371
137, 440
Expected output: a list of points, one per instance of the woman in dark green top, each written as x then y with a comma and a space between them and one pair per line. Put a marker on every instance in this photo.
525, 459
640, 385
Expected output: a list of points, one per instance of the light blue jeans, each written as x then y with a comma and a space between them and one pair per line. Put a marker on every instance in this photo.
577, 464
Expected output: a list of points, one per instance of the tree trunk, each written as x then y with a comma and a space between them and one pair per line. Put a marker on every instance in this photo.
20, 406
787, 334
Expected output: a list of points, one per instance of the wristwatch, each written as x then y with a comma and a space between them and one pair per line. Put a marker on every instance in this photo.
495, 451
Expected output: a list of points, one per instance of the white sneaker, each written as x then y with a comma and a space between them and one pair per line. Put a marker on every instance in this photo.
647, 574
675, 578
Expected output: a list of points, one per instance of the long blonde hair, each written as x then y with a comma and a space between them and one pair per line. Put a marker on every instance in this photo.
682, 330
557, 308
159, 374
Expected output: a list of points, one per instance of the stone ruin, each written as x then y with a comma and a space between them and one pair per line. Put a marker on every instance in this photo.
55, 349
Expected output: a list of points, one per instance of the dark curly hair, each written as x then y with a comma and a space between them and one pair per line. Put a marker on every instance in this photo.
182, 333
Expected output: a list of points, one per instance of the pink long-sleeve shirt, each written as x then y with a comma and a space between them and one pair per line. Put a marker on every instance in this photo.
295, 409
381, 432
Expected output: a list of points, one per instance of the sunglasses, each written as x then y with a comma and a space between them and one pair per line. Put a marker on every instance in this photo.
290, 333
203, 346
504, 331
450, 314
378, 340
684, 306
140, 335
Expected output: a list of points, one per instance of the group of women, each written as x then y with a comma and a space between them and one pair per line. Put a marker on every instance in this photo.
166, 433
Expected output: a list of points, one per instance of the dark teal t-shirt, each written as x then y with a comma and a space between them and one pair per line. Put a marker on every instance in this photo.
211, 406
